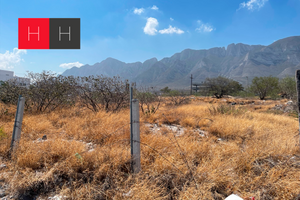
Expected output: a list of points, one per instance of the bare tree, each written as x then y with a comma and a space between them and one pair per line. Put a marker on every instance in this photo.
148, 99
178, 98
48, 91
99, 92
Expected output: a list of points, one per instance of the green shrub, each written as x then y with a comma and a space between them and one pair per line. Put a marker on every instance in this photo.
3, 135
265, 86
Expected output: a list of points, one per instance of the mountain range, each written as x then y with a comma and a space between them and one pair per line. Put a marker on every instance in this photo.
240, 62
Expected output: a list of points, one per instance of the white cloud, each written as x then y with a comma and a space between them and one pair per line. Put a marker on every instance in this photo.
171, 19
138, 11
253, 4
9, 59
171, 30
70, 65
151, 25
204, 28
154, 7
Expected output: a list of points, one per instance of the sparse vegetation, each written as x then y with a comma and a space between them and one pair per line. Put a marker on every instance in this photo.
87, 156
49, 91
229, 145
149, 101
225, 109
178, 98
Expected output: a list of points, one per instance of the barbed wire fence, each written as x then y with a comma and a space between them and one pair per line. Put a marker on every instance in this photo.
174, 141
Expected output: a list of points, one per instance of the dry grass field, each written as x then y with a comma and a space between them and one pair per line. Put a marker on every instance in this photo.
247, 149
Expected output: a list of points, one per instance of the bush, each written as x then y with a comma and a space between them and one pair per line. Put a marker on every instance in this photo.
265, 86
99, 92
3, 135
49, 91
165, 90
221, 86
225, 109
287, 87
178, 98
10, 91
149, 100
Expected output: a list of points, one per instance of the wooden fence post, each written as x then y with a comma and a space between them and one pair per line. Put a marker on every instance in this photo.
18, 123
135, 142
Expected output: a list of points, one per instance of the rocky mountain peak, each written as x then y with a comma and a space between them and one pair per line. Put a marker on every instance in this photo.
237, 49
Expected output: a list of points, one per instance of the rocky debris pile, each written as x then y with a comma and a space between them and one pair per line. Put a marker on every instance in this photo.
287, 107
177, 129
57, 197
89, 146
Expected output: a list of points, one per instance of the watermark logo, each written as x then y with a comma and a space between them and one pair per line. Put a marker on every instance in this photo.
49, 33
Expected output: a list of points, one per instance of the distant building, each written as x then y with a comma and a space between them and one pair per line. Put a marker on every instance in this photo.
9, 76
6, 75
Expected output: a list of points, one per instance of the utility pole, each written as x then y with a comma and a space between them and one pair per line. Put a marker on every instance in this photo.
191, 84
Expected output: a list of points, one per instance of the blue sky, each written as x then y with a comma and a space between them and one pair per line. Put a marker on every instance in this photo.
136, 30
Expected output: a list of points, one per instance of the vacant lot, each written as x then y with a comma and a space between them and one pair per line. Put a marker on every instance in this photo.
215, 149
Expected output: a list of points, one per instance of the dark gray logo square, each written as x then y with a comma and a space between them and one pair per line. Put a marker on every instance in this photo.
64, 33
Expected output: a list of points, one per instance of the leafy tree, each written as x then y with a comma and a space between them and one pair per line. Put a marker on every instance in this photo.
264, 86
166, 90
287, 87
221, 86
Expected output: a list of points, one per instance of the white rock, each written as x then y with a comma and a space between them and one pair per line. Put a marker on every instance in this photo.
2, 166
57, 197
128, 194
233, 197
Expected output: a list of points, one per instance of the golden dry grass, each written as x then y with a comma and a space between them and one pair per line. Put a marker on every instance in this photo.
247, 151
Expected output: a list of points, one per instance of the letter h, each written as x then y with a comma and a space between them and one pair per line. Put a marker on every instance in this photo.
69, 33
38, 33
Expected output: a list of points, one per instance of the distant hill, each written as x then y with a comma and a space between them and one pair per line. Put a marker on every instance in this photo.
237, 61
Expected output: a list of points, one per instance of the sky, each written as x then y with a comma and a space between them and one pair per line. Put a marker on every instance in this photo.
137, 30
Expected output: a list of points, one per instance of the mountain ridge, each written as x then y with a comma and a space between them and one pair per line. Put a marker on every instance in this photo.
237, 61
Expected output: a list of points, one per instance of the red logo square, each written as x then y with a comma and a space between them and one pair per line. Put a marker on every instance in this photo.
33, 33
